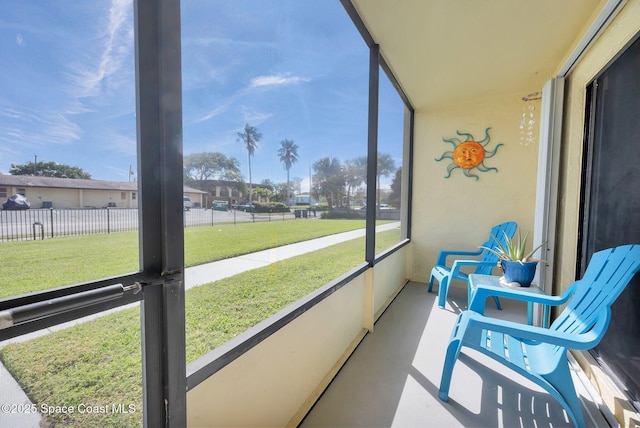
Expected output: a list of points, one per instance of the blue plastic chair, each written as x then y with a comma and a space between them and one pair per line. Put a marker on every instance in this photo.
538, 353
484, 265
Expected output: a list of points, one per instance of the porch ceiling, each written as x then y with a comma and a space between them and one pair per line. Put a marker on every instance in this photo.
445, 52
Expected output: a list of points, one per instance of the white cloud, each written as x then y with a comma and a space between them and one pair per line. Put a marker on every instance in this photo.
117, 44
226, 42
254, 117
275, 80
119, 143
305, 185
11, 113
123, 172
59, 129
35, 129
19, 40
216, 111
280, 79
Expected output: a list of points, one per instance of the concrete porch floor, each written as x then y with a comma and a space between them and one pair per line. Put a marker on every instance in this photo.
392, 379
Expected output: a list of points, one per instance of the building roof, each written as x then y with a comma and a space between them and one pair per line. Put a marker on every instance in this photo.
73, 183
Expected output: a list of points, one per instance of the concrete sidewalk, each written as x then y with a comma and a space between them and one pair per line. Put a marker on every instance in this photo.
12, 394
210, 272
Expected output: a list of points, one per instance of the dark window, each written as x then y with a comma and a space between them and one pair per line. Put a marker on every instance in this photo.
612, 203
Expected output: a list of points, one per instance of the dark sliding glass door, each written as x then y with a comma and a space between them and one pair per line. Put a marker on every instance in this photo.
611, 203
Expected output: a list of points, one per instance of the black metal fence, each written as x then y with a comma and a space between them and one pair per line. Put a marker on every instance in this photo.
51, 222
202, 217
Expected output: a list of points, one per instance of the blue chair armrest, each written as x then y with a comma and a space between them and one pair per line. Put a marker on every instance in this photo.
442, 255
580, 341
455, 268
483, 292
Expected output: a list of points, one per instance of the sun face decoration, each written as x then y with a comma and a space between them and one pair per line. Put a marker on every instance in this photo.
469, 154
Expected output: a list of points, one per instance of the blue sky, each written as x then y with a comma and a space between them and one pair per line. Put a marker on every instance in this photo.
295, 70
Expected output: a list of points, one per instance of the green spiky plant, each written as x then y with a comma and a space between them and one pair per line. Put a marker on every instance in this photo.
513, 249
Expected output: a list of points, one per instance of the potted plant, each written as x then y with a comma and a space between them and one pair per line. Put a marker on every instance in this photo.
516, 263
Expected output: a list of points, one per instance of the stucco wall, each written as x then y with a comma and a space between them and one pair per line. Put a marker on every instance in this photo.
101, 198
61, 198
388, 275
457, 212
77, 198
277, 382
267, 385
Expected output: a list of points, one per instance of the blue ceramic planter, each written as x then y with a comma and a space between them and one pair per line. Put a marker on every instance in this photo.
520, 272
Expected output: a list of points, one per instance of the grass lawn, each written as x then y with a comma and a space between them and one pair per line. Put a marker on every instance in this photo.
41, 265
206, 244
98, 363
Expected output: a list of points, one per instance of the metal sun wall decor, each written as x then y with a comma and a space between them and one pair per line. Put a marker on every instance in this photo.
469, 154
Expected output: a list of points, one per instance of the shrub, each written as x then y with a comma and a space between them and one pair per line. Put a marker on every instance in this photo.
343, 214
271, 207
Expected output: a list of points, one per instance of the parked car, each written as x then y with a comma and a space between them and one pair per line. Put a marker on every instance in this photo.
186, 202
247, 208
16, 202
220, 205
380, 207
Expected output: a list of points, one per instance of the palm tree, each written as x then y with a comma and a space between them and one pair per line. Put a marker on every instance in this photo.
288, 154
328, 180
250, 138
386, 167
355, 173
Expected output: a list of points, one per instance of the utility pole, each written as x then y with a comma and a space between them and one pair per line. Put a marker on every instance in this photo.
35, 165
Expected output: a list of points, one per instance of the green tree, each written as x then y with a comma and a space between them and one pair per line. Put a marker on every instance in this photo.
385, 167
268, 183
200, 167
328, 180
355, 173
288, 154
396, 189
279, 193
250, 138
264, 192
49, 169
